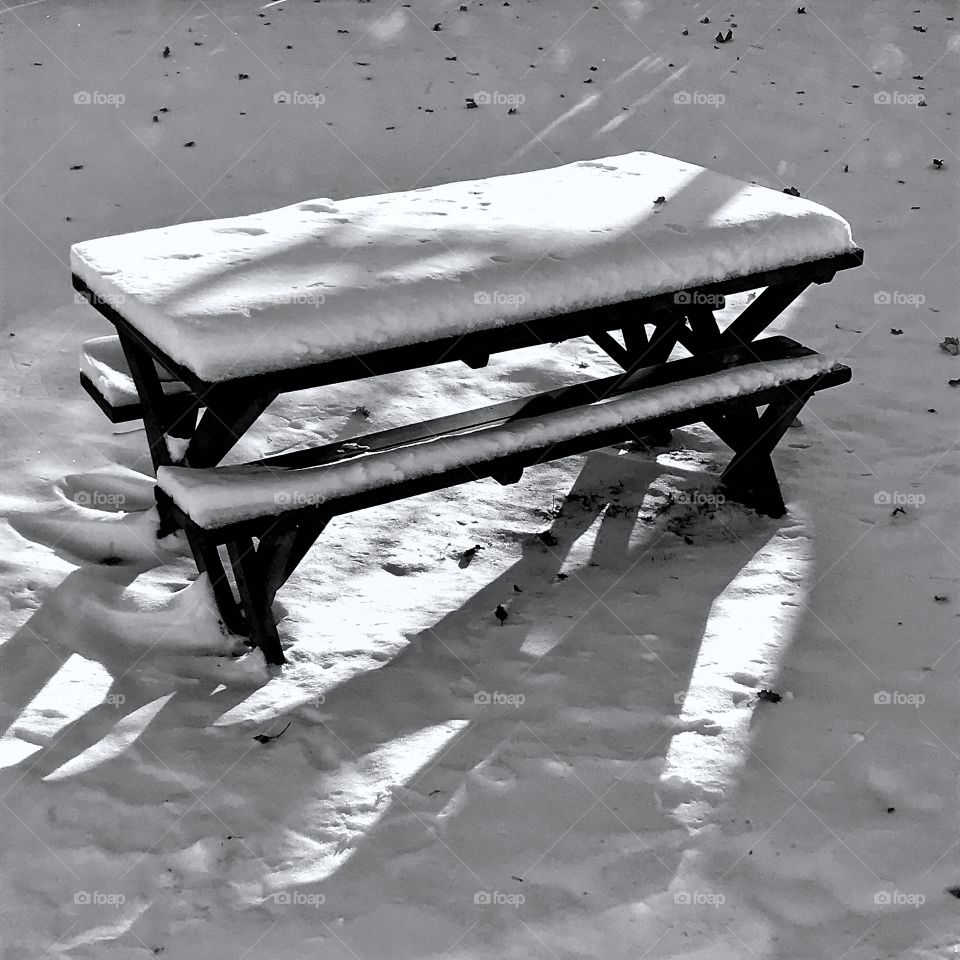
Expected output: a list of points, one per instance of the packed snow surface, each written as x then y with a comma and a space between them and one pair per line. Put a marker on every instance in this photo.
320, 280
216, 497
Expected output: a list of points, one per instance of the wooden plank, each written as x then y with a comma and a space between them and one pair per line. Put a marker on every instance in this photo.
228, 415
281, 550
759, 314
528, 332
252, 590
152, 400
562, 398
554, 451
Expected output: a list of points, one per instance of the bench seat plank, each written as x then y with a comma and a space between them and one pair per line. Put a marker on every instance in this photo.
322, 281
106, 376
222, 496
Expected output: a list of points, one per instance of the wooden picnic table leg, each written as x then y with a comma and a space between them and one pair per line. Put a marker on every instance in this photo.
750, 476
206, 555
248, 572
759, 314
229, 413
281, 551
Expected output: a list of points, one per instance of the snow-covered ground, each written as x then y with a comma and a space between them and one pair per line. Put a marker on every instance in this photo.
595, 778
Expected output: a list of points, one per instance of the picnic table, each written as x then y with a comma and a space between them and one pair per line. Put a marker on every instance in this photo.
216, 319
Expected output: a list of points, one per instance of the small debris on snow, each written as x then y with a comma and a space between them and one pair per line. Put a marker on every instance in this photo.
547, 538
704, 19
941, 598
501, 613
361, 411
659, 200
467, 556
471, 103
352, 448
166, 53
896, 331
769, 696
266, 738
793, 191
950, 345
937, 164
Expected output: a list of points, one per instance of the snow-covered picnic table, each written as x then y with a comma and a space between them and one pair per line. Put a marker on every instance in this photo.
215, 319
321, 280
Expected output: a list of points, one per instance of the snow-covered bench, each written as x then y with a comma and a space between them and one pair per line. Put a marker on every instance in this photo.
106, 377
217, 318
284, 502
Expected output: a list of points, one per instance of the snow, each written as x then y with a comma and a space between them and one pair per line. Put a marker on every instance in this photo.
640, 779
321, 280
102, 360
216, 497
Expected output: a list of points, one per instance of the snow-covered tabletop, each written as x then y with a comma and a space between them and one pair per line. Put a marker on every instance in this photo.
321, 280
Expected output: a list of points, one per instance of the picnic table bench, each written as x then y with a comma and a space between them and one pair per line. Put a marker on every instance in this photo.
216, 319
